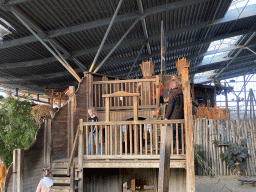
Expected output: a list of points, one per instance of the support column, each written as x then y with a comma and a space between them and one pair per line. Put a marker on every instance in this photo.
18, 169
164, 162
190, 173
80, 157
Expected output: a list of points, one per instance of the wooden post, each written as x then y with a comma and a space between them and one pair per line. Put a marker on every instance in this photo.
80, 156
18, 156
45, 141
49, 143
164, 162
190, 174
158, 87
135, 107
107, 109
72, 177
72, 113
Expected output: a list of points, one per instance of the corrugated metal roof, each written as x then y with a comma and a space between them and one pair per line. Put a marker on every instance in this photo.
78, 26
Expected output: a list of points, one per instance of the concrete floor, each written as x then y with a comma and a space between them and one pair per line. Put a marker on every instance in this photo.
223, 184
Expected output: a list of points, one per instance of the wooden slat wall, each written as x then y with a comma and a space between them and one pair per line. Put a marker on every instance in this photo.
206, 131
100, 180
144, 86
33, 165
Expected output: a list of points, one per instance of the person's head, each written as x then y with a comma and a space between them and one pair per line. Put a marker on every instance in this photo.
174, 82
92, 112
46, 172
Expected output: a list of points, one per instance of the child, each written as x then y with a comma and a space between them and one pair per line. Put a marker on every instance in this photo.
93, 118
45, 183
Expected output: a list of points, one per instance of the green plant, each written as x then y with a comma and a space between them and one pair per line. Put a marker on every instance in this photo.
201, 161
236, 153
17, 127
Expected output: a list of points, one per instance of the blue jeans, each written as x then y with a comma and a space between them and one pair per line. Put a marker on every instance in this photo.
179, 135
94, 138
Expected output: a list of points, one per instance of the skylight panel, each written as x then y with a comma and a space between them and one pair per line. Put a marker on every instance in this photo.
236, 4
204, 76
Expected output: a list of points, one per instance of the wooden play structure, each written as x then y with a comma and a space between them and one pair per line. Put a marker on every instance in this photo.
128, 135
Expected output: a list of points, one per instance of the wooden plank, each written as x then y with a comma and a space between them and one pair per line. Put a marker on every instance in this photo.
151, 139
133, 164
164, 162
135, 139
135, 107
80, 156
126, 81
49, 143
131, 139
69, 129
116, 140
141, 139
87, 139
101, 140
97, 139
190, 175
107, 110
126, 139
173, 121
121, 140
72, 178
45, 141
72, 113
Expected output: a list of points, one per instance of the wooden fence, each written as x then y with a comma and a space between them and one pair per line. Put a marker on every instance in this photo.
129, 137
148, 89
206, 131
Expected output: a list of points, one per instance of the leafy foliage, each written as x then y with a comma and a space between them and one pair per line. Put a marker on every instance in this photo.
17, 127
236, 153
201, 160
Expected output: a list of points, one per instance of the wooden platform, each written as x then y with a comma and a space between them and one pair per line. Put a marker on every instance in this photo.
124, 161
248, 180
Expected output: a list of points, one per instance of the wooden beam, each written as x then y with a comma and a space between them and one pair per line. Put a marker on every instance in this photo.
164, 163
80, 156
190, 174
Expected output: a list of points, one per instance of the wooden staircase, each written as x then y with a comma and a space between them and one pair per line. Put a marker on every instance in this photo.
62, 180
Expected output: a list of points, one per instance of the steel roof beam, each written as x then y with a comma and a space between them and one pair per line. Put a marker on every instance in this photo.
103, 22
144, 26
87, 51
230, 16
208, 67
106, 35
66, 65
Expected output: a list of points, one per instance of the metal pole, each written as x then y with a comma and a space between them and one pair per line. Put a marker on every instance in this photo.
162, 48
237, 100
244, 97
113, 49
106, 35
135, 61
69, 68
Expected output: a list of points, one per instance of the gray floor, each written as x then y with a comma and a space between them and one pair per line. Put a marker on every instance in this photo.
223, 184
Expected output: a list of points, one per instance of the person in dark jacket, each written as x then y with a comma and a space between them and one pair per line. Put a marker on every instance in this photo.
93, 118
175, 108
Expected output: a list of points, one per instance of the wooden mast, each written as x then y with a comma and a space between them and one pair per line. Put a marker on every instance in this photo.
182, 68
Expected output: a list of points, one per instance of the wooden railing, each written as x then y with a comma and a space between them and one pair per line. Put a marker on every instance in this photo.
130, 137
148, 89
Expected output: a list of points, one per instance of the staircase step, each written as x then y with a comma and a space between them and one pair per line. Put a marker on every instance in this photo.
59, 171
61, 180
60, 188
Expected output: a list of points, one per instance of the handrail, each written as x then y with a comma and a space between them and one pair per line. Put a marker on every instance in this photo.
73, 150
135, 122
